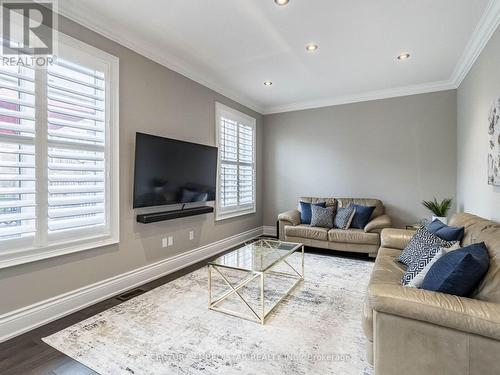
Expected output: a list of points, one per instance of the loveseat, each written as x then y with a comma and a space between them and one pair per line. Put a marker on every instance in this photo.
365, 240
414, 331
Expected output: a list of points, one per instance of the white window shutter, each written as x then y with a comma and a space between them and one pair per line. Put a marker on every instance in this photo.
236, 144
17, 153
59, 155
76, 145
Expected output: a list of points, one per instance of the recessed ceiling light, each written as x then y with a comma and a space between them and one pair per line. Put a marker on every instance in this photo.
268, 83
404, 56
311, 47
281, 2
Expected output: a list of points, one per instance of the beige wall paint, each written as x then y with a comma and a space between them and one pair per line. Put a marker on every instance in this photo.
156, 100
400, 150
475, 97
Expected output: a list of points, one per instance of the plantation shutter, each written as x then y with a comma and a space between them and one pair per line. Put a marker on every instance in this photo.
246, 164
76, 146
59, 182
228, 163
236, 142
17, 154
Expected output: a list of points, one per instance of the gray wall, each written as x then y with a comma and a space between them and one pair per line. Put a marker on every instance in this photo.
400, 150
475, 97
153, 99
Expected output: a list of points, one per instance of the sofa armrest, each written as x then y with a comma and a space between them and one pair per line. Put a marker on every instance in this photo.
464, 314
378, 223
292, 217
396, 238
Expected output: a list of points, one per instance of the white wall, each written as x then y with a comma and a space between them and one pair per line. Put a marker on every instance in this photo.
474, 99
400, 150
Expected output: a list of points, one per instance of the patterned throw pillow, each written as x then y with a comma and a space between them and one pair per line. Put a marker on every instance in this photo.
344, 217
322, 217
418, 265
419, 244
305, 211
418, 280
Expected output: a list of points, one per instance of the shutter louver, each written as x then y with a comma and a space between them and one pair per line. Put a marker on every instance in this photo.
236, 141
76, 145
245, 175
17, 153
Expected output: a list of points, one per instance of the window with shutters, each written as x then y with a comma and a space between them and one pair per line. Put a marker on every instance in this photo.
58, 155
236, 137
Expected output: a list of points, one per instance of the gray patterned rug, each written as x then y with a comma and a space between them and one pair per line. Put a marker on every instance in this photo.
169, 330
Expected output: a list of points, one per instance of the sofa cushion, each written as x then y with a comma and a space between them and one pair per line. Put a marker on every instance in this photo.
477, 230
418, 270
420, 243
362, 215
379, 206
330, 202
387, 270
306, 231
305, 211
322, 216
458, 272
352, 235
344, 217
445, 232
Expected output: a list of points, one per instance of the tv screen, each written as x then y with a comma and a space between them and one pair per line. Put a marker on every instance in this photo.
168, 171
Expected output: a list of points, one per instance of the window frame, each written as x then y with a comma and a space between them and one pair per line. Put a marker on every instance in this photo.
93, 57
226, 213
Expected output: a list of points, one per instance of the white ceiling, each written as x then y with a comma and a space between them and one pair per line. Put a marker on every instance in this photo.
234, 46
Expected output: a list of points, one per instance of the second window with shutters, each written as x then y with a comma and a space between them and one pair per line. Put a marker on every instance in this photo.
236, 136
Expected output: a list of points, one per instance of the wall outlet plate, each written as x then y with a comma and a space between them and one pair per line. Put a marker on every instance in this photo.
164, 242
191, 235
170, 240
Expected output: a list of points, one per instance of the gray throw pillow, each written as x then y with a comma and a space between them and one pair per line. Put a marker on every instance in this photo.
344, 217
322, 216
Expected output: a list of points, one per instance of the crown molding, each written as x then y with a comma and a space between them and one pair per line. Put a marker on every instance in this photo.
166, 62
485, 28
364, 97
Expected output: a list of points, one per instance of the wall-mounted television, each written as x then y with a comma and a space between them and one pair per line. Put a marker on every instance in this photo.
169, 171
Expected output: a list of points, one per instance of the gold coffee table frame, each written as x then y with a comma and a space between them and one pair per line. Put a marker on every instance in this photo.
257, 260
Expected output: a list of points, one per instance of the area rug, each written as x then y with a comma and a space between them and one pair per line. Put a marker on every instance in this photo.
170, 330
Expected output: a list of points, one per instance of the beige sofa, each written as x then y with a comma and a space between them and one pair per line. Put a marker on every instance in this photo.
414, 331
365, 240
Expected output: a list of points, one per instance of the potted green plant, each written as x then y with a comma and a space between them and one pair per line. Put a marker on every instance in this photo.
439, 209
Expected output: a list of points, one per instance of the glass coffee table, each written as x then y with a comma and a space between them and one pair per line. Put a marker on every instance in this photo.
256, 261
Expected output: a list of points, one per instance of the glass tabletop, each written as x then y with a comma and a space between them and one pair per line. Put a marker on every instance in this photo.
258, 256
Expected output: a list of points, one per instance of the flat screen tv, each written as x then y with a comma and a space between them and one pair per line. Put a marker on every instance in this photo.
169, 171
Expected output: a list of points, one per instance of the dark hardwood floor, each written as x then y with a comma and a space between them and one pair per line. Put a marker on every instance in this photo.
27, 354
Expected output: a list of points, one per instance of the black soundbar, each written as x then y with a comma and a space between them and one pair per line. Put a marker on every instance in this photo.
175, 214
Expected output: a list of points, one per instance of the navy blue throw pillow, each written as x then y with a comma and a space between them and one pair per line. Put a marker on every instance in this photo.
362, 216
305, 211
445, 232
459, 271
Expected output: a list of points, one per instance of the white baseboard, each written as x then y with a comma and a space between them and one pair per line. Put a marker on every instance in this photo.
269, 230
19, 321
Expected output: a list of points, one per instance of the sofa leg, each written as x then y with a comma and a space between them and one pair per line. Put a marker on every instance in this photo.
372, 255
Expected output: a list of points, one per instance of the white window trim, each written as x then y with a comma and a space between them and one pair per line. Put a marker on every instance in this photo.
222, 214
9, 258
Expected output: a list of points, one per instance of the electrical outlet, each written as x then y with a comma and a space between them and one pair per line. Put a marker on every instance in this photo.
191, 235
170, 240
164, 242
